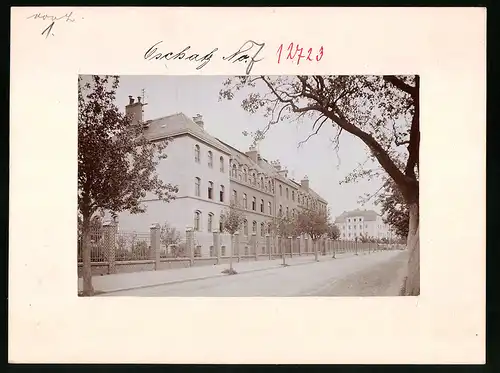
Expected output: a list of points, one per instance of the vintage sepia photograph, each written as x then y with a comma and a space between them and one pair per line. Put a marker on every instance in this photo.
248, 186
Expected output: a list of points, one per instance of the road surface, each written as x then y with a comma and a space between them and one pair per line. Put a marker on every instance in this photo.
375, 274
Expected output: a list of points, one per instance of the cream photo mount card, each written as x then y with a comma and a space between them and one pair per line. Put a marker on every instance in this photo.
189, 50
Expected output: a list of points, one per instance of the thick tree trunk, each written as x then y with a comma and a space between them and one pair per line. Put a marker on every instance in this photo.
412, 281
88, 289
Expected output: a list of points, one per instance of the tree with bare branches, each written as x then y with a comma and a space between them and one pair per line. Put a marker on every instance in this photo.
116, 163
382, 111
231, 222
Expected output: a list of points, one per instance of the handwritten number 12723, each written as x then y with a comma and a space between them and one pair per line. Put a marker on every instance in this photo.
299, 53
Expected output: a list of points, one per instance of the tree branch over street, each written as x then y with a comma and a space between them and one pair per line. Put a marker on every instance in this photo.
382, 111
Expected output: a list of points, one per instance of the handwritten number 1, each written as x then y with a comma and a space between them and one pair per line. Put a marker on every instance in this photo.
280, 49
48, 30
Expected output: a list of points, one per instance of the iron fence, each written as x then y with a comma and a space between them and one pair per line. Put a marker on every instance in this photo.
133, 246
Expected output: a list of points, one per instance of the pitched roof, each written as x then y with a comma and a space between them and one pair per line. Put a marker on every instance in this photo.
179, 124
368, 215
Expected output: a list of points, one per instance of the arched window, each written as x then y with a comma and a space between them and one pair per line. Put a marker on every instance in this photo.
262, 182
269, 228
254, 227
262, 229
235, 196
245, 227
221, 164
234, 172
210, 221
293, 195
280, 211
221, 193
261, 205
281, 190
287, 212
197, 153
210, 190
286, 193
254, 179
254, 203
197, 184
270, 211
245, 175
245, 200
269, 185
197, 218
210, 159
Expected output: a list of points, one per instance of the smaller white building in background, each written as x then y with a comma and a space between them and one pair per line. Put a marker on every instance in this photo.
367, 223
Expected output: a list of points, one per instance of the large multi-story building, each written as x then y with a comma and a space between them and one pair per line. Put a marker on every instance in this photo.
358, 223
210, 174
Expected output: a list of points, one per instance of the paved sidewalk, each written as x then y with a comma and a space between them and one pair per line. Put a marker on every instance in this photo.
137, 280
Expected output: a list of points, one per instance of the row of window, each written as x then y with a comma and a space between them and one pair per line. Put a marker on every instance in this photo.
263, 182
210, 158
210, 190
210, 224
355, 226
253, 203
254, 178
359, 234
211, 195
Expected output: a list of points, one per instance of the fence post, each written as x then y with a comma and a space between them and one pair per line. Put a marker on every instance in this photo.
290, 238
298, 244
306, 244
253, 244
236, 245
268, 245
154, 239
217, 245
190, 244
110, 245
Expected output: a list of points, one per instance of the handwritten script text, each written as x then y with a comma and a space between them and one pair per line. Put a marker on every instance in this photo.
47, 31
246, 54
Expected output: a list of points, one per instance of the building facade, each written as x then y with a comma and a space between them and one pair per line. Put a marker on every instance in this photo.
210, 174
362, 223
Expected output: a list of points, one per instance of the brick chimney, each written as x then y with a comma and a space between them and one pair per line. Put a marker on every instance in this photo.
198, 119
134, 110
252, 154
305, 182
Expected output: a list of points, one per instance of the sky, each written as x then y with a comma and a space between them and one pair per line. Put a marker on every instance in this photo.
226, 120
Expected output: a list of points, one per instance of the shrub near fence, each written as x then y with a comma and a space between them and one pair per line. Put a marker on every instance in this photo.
115, 251
133, 246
